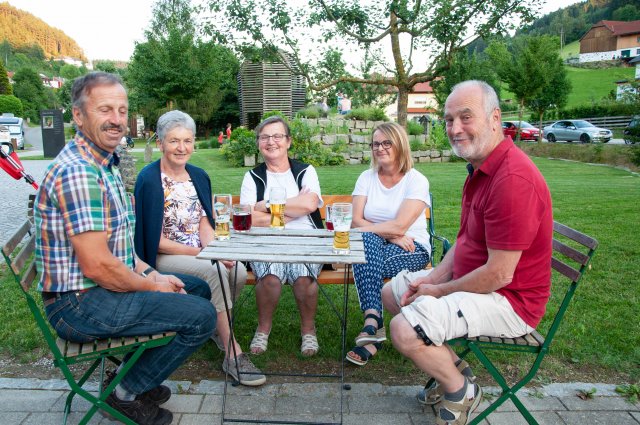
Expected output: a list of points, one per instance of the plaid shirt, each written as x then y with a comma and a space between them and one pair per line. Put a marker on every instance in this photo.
82, 191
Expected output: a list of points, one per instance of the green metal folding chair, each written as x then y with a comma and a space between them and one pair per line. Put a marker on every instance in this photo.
18, 253
572, 254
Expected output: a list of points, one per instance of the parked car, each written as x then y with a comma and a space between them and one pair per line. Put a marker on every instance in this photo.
578, 130
527, 131
631, 133
14, 125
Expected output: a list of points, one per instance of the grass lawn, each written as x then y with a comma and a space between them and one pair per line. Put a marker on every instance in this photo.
597, 342
571, 49
587, 85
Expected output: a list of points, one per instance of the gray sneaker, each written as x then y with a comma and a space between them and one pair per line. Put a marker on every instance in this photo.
250, 375
217, 340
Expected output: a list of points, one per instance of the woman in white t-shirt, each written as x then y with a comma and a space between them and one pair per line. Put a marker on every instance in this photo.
389, 202
301, 212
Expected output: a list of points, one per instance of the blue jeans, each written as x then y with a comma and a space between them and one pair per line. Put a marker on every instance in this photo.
100, 313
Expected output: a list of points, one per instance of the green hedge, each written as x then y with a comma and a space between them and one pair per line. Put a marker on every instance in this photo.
367, 114
603, 108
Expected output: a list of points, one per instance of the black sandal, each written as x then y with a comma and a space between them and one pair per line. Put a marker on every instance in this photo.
363, 353
371, 334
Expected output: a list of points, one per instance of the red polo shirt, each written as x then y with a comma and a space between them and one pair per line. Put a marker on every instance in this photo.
506, 205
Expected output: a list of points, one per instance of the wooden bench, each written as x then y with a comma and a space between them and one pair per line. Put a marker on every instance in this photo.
337, 275
18, 252
572, 253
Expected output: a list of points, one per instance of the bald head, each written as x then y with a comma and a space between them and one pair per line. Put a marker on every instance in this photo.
473, 118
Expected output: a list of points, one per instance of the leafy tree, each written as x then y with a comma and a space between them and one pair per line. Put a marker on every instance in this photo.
175, 69
69, 72
31, 92
552, 95
422, 34
106, 66
5, 85
525, 66
629, 12
64, 99
11, 104
465, 66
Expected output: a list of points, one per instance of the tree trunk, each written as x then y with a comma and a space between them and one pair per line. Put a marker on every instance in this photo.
403, 102
520, 112
540, 127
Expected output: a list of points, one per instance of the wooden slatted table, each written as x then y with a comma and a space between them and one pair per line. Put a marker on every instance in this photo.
313, 246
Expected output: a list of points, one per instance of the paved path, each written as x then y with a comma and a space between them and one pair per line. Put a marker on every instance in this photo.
28, 401
14, 196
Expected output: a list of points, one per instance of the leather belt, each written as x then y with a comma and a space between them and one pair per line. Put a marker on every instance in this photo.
49, 298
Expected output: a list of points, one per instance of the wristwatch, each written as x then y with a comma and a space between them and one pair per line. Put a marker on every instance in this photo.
267, 206
147, 271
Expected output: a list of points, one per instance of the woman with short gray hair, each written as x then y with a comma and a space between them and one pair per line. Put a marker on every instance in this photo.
174, 221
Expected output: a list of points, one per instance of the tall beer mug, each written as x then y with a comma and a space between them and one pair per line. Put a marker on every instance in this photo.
341, 216
277, 200
222, 215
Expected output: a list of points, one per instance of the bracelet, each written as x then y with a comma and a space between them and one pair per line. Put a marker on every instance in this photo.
147, 271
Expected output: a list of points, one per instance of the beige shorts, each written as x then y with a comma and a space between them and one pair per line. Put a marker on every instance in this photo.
458, 314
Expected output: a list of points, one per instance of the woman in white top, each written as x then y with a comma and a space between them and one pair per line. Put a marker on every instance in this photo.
301, 212
389, 202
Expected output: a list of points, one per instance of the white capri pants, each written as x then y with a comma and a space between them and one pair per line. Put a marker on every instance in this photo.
458, 314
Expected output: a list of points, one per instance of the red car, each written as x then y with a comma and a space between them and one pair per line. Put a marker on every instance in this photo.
527, 131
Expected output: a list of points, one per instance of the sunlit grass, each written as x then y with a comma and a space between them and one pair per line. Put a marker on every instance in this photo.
600, 329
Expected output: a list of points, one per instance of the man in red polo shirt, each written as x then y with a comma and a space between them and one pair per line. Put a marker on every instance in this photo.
496, 279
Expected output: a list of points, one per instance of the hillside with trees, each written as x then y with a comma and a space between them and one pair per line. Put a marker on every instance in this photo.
22, 29
574, 21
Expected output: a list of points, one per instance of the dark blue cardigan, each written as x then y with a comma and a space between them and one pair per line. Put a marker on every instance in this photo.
149, 205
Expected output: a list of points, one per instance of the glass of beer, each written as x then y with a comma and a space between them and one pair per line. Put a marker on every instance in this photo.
327, 218
341, 216
277, 200
241, 217
222, 215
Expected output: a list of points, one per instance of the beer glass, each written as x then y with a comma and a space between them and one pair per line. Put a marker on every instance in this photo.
222, 215
327, 218
241, 217
277, 200
341, 216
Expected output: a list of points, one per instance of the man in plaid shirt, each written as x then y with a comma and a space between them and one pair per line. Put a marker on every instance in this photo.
93, 285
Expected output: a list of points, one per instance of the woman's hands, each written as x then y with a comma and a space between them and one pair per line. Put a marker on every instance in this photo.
405, 242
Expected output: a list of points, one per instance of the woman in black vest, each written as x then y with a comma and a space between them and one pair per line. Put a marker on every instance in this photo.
303, 200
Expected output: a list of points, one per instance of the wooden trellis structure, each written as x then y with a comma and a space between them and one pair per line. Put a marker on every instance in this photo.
268, 86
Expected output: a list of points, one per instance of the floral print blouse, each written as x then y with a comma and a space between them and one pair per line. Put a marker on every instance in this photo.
182, 212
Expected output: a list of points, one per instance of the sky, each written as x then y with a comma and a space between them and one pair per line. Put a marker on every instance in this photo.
109, 29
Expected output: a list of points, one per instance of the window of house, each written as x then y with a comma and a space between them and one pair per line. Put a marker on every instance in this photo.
625, 53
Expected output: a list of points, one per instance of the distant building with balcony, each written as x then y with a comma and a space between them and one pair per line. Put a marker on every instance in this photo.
608, 40
422, 101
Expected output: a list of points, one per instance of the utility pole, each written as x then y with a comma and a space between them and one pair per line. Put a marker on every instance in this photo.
561, 38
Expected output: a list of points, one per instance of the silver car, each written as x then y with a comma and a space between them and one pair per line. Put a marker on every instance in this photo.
578, 130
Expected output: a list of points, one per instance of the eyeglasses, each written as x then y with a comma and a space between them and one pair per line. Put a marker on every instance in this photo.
385, 144
276, 137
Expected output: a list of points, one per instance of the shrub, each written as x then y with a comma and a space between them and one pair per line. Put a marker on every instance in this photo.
603, 108
273, 114
438, 137
305, 150
11, 104
243, 142
634, 155
205, 144
417, 146
308, 112
414, 128
367, 114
